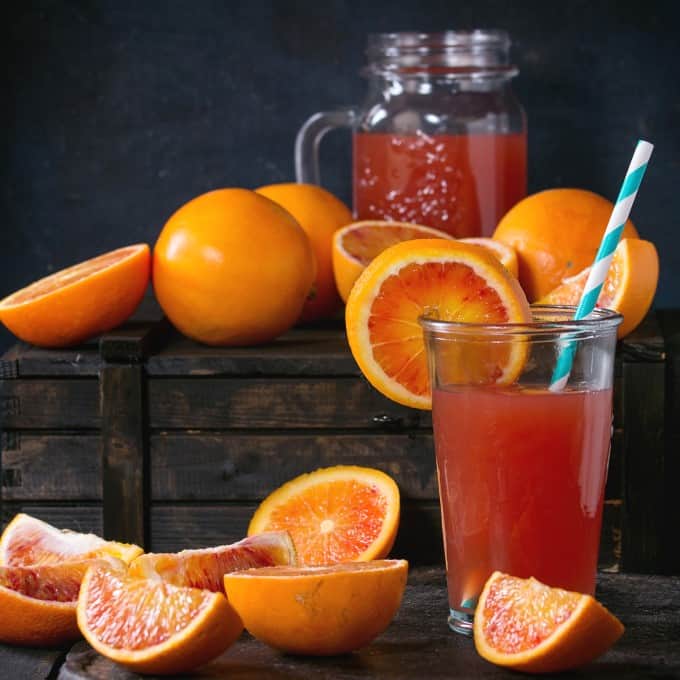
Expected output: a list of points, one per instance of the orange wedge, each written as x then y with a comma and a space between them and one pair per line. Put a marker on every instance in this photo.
506, 254
528, 626
30, 541
150, 626
77, 303
628, 289
355, 245
449, 280
318, 611
38, 604
205, 568
338, 514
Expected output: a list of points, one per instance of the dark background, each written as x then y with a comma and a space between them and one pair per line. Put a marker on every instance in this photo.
116, 112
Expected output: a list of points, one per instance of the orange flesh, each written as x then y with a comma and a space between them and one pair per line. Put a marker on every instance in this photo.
314, 571
158, 610
52, 583
520, 614
332, 521
365, 243
450, 291
68, 276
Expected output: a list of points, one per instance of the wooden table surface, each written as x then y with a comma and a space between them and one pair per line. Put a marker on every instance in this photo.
418, 644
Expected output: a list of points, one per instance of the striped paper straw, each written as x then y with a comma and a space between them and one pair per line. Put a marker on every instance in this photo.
598, 272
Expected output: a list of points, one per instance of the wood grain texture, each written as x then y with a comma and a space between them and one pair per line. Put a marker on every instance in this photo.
25, 663
418, 643
50, 403
224, 403
83, 517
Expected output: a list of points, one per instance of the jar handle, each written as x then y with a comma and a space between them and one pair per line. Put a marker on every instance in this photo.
309, 137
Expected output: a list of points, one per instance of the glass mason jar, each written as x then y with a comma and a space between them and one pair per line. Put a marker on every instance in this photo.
440, 139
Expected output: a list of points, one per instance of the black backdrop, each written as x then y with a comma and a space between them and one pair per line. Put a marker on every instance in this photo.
116, 112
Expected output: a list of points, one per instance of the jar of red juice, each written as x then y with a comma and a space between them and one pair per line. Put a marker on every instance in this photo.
440, 139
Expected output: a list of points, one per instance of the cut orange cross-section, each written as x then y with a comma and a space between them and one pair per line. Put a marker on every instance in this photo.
77, 303
338, 514
628, 289
30, 541
151, 626
528, 626
446, 280
357, 244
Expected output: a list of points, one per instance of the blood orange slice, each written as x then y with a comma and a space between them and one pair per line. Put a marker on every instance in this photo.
447, 280
506, 254
628, 289
74, 304
528, 626
318, 610
151, 626
30, 541
38, 604
357, 244
336, 514
206, 568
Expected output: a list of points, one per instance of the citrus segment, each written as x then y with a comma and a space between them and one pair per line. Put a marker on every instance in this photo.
38, 604
447, 280
505, 254
556, 233
320, 214
526, 625
151, 626
335, 514
318, 610
30, 541
628, 289
74, 304
357, 244
205, 568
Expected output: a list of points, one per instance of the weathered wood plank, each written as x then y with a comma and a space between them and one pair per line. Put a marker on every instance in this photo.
49, 404
124, 453
25, 663
418, 643
643, 466
182, 403
51, 467
84, 517
320, 351
225, 466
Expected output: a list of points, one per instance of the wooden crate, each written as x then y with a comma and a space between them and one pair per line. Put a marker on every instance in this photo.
149, 437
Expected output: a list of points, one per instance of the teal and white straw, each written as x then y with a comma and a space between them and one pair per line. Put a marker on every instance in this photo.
600, 268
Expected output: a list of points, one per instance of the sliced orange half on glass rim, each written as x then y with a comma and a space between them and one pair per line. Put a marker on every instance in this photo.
441, 279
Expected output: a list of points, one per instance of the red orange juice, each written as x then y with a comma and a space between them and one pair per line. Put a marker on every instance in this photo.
521, 476
461, 184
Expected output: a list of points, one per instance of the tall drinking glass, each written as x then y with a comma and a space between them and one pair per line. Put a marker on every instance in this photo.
521, 469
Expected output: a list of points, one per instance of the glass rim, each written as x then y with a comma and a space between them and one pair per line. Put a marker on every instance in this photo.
599, 321
477, 37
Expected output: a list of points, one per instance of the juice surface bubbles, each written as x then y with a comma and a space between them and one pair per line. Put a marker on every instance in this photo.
521, 476
461, 184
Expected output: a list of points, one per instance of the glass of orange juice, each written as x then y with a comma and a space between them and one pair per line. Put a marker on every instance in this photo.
521, 468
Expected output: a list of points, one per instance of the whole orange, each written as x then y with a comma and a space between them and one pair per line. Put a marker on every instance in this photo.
231, 267
320, 214
556, 234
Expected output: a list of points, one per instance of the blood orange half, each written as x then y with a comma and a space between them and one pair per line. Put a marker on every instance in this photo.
357, 244
338, 514
447, 280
